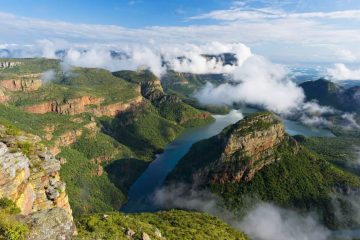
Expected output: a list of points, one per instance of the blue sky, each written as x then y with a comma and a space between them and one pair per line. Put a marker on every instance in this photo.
134, 13
142, 13
285, 31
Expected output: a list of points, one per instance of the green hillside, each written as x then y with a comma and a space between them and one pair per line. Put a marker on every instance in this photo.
171, 225
291, 176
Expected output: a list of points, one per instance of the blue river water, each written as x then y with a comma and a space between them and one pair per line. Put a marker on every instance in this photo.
139, 195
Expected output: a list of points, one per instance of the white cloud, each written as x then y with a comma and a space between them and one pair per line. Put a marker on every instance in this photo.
195, 62
260, 82
262, 221
269, 222
341, 72
241, 13
100, 56
315, 109
314, 115
315, 121
149, 55
48, 76
351, 122
269, 35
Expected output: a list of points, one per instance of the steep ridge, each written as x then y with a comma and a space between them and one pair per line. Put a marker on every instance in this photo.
78, 106
254, 140
9, 64
255, 158
29, 176
170, 106
240, 151
331, 94
28, 83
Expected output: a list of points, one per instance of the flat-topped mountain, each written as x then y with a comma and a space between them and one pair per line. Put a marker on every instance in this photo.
237, 153
256, 158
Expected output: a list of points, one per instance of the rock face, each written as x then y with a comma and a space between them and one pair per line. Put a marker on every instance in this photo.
9, 64
236, 154
152, 90
3, 97
251, 144
29, 176
70, 107
52, 224
114, 109
27, 83
79, 105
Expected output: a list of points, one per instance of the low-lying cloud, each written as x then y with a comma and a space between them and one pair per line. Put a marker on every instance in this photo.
256, 81
314, 115
268, 222
350, 121
262, 221
341, 72
48, 76
193, 60
158, 58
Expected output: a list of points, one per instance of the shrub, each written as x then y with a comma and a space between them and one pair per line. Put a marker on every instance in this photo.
10, 228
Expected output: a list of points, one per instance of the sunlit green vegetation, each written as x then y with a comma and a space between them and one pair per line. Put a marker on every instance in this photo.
28, 66
172, 225
298, 179
10, 227
144, 131
88, 192
35, 123
184, 114
80, 82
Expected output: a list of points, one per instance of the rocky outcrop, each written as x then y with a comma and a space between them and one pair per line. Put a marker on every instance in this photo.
114, 109
29, 176
9, 64
3, 97
25, 83
236, 154
52, 224
80, 105
68, 138
250, 144
152, 90
69, 107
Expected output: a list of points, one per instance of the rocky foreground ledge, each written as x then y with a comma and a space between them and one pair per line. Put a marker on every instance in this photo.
29, 176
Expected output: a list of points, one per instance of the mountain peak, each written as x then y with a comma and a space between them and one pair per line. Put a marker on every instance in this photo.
238, 152
249, 145
245, 135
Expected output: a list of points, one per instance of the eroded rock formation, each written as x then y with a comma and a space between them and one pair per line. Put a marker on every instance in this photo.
9, 64
236, 154
249, 145
24, 83
29, 176
84, 104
